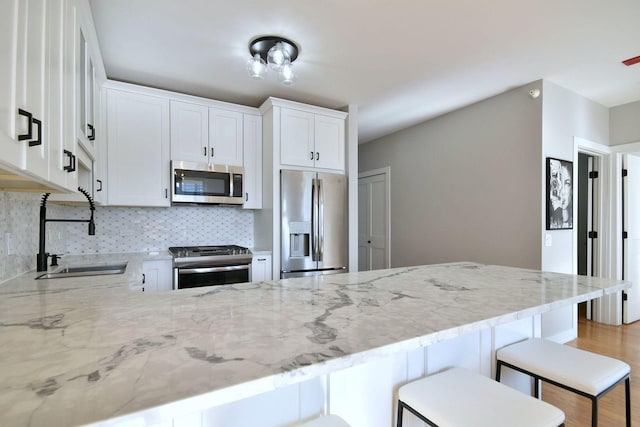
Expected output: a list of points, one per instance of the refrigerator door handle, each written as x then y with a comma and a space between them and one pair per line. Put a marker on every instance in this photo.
314, 220
320, 220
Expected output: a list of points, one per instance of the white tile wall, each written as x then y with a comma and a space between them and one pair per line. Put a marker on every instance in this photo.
117, 229
19, 223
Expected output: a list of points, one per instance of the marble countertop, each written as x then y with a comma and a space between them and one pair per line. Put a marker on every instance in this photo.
84, 350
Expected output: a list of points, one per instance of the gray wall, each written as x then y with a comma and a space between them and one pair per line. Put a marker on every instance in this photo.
625, 123
566, 115
466, 185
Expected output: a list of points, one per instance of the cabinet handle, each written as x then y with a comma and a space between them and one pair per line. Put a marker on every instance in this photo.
205, 151
166, 193
99, 181
29, 116
246, 197
261, 259
311, 158
212, 151
38, 141
92, 132
317, 155
144, 279
71, 167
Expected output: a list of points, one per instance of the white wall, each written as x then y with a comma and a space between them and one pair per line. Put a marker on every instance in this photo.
625, 123
466, 185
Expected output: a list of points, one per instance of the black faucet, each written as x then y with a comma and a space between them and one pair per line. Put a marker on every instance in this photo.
42, 255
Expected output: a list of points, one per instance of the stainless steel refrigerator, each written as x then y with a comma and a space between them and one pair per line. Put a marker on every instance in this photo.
314, 223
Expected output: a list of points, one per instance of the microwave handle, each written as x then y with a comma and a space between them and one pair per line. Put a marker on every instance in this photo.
230, 185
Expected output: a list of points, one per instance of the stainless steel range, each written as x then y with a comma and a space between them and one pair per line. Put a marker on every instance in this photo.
196, 266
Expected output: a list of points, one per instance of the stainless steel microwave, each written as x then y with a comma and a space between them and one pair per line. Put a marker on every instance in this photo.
203, 183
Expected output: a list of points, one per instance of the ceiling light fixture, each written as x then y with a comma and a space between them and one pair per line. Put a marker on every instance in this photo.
276, 53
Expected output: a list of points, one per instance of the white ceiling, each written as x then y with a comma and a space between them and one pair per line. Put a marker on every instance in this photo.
402, 62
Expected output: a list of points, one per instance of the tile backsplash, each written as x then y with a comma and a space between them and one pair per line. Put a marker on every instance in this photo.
118, 229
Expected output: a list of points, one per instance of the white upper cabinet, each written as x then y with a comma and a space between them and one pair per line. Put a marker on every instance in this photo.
311, 140
63, 156
252, 161
329, 142
297, 146
138, 149
30, 75
204, 134
189, 132
38, 95
12, 151
225, 137
88, 113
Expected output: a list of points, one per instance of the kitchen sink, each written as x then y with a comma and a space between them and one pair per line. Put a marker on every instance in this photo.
85, 270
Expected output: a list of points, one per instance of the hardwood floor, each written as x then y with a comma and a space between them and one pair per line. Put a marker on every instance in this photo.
621, 342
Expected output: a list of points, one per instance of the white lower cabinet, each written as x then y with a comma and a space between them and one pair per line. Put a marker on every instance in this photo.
138, 149
261, 268
157, 275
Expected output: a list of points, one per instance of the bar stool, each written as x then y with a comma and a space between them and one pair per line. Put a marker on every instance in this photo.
326, 421
585, 373
458, 397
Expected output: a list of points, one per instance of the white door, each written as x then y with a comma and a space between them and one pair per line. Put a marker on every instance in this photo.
631, 209
373, 221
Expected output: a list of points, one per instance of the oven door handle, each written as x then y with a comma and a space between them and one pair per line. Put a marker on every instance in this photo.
212, 269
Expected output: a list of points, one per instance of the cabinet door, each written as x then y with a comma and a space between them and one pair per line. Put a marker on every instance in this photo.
189, 132
157, 276
297, 146
252, 162
87, 90
30, 82
62, 143
138, 149
329, 142
225, 137
12, 151
100, 180
261, 268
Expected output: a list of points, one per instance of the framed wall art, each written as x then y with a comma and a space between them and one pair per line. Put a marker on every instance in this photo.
559, 194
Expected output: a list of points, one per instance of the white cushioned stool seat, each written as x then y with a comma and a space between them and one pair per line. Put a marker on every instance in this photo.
458, 397
583, 372
328, 421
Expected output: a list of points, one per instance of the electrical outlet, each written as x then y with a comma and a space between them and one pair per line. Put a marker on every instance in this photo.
8, 240
548, 240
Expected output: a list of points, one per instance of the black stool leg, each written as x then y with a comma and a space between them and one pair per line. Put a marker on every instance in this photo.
627, 390
594, 411
498, 368
400, 408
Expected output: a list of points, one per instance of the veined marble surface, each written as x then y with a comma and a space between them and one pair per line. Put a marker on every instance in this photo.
84, 350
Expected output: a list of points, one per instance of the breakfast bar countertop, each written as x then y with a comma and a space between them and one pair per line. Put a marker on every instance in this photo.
91, 349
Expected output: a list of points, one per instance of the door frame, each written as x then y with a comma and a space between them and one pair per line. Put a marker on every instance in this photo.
606, 309
386, 171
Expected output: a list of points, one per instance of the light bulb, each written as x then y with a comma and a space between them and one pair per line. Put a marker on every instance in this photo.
256, 67
286, 75
277, 56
